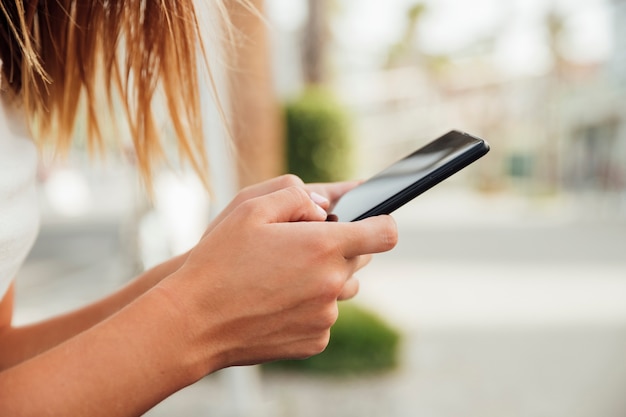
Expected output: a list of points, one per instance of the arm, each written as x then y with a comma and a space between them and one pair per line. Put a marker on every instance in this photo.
122, 366
212, 312
20, 343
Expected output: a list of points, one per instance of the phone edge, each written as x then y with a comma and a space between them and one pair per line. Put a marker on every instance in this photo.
393, 203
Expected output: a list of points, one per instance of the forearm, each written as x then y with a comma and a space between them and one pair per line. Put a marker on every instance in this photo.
214, 311
21, 343
123, 366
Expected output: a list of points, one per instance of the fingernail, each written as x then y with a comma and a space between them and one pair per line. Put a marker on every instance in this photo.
318, 199
321, 210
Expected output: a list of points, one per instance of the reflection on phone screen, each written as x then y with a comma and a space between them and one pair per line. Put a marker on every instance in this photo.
411, 174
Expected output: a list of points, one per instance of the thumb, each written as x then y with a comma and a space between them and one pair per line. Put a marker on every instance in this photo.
292, 204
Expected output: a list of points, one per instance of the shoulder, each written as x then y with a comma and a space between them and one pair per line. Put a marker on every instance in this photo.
19, 211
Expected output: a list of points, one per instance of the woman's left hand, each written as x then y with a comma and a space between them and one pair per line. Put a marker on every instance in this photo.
325, 195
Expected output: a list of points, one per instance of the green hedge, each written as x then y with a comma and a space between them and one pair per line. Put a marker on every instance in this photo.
317, 136
360, 342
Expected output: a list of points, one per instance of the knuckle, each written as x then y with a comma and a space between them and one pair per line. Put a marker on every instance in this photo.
331, 277
390, 234
319, 344
350, 289
329, 315
299, 193
289, 180
248, 209
245, 192
334, 284
301, 200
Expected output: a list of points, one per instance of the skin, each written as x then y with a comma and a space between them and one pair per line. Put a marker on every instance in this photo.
262, 284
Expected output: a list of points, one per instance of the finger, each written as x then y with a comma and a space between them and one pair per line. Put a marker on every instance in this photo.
279, 183
350, 289
320, 200
271, 185
372, 235
291, 204
253, 191
332, 191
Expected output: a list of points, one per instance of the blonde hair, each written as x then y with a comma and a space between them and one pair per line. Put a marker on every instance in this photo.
59, 53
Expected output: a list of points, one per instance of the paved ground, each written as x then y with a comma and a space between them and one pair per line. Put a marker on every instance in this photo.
507, 310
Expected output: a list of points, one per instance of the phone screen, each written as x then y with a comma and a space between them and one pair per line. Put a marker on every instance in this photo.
410, 176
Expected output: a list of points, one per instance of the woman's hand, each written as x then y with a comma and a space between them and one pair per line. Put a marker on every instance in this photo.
332, 192
325, 195
263, 283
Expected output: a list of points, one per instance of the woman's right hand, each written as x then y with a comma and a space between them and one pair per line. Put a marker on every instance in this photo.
263, 283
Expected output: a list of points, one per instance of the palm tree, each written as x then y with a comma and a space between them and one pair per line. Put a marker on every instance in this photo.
315, 43
555, 25
405, 50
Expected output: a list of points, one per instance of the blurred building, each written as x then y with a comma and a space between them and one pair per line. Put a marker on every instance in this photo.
597, 121
618, 61
561, 131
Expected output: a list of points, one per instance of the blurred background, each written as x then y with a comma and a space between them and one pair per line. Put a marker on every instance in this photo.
507, 290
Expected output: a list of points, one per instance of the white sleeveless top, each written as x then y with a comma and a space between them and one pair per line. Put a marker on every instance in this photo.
19, 212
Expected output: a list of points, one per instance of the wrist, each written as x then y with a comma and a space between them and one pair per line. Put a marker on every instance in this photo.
186, 327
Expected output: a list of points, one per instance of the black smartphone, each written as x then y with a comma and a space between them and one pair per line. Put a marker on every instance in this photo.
410, 176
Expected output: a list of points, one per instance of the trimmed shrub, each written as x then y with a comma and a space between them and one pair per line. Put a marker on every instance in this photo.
317, 136
360, 342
